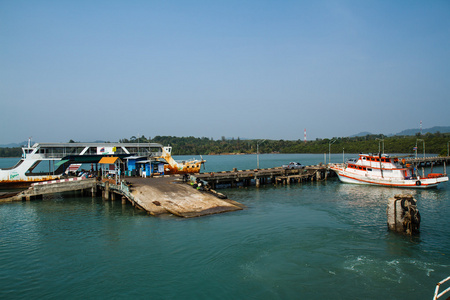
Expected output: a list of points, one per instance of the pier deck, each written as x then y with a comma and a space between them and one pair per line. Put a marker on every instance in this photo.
164, 195
262, 176
428, 161
157, 196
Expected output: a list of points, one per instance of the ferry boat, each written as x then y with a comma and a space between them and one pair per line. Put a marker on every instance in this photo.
384, 170
50, 161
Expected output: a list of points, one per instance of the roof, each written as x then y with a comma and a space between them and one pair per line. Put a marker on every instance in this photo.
108, 160
74, 145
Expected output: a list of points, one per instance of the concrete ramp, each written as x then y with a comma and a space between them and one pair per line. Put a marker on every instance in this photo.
163, 195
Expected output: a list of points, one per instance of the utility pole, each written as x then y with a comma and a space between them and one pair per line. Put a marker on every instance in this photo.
423, 147
329, 149
379, 145
257, 152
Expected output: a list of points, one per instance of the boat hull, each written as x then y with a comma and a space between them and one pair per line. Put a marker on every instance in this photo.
422, 183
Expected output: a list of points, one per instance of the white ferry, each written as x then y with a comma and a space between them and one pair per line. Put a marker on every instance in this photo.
384, 171
49, 161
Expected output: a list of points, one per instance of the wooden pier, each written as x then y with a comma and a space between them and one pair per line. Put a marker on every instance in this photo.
428, 161
257, 177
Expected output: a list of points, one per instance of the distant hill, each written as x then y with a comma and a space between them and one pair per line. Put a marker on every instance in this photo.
14, 145
441, 129
364, 133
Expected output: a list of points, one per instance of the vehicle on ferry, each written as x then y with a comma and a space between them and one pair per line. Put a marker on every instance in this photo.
384, 170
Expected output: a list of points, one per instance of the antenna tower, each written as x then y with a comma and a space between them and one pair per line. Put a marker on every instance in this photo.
420, 127
305, 135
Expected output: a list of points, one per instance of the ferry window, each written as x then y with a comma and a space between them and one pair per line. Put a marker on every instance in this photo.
369, 169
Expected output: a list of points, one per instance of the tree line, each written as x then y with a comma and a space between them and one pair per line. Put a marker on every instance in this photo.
435, 143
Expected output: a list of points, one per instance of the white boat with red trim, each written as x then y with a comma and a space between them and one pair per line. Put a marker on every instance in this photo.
384, 170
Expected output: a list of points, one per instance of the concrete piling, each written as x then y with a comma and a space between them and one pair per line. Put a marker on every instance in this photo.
403, 215
106, 191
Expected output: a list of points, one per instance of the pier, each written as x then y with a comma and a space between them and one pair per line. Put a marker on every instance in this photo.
173, 195
428, 161
156, 196
258, 177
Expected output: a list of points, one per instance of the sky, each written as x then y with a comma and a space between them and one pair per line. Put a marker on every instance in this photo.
107, 70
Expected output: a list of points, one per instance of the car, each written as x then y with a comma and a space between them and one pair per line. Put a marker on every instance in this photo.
293, 165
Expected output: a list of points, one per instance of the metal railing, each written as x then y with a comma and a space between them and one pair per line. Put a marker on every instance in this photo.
437, 295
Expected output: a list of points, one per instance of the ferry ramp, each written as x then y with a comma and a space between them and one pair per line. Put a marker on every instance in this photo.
166, 195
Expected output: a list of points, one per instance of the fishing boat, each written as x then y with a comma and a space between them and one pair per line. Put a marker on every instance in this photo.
384, 170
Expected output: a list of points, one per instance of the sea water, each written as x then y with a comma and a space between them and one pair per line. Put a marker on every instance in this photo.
315, 240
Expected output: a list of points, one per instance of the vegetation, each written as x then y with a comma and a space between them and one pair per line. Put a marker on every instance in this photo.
435, 143
11, 152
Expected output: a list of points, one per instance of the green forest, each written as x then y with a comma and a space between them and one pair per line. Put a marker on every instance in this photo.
435, 143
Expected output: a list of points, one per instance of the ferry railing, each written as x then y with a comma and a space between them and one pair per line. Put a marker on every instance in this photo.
437, 295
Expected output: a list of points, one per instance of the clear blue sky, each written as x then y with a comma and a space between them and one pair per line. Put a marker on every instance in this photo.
105, 70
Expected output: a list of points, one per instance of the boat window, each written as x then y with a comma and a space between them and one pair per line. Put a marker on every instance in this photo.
369, 169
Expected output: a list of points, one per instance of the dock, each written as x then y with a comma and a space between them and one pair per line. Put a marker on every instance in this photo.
156, 196
169, 195
174, 195
428, 161
257, 177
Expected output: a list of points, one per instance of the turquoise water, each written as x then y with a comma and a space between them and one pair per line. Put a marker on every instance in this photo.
314, 240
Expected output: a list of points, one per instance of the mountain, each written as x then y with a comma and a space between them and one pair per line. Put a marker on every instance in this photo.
441, 129
14, 145
364, 133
